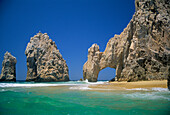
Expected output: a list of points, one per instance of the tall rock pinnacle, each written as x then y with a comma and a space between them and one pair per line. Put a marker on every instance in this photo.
44, 61
141, 51
8, 72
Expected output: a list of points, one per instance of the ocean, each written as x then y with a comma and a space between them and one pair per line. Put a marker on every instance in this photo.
76, 98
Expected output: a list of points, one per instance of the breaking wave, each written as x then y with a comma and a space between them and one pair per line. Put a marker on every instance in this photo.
48, 84
30, 85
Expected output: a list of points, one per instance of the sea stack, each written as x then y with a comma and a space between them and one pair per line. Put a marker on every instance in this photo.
44, 61
8, 72
141, 51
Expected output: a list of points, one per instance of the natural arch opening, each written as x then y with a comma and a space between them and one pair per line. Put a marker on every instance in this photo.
107, 74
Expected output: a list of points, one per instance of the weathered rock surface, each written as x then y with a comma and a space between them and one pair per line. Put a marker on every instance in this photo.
8, 72
141, 51
44, 61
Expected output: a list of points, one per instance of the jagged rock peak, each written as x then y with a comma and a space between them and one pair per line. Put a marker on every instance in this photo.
141, 51
8, 72
44, 61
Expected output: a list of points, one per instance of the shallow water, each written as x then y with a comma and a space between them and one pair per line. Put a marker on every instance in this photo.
70, 98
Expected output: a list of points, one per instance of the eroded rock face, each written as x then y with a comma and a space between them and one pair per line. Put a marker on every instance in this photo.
44, 61
8, 72
141, 51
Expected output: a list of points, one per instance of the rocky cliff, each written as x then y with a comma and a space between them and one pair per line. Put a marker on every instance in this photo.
8, 72
141, 51
44, 61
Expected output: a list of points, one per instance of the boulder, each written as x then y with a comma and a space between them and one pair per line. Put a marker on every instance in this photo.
8, 72
44, 61
141, 51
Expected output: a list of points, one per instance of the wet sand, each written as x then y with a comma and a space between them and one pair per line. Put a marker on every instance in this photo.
130, 85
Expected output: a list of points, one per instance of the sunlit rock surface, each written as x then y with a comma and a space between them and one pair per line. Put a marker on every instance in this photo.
44, 61
8, 72
141, 51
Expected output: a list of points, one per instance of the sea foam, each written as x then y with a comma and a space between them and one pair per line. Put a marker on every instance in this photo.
31, 85
160, 89
83, 87
150, 89
138, 89
147, 96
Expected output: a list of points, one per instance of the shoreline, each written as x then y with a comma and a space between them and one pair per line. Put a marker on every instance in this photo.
100, 86
130, 85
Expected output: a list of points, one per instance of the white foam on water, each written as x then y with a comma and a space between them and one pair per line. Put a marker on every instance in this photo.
138, 89
150, 89
80, 88
160, 89
29, 84
80, 85
85, 86
98, 82
2, 90
32, 85
147, 96
86, 81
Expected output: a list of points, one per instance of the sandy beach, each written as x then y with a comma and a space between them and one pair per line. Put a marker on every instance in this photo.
131, 85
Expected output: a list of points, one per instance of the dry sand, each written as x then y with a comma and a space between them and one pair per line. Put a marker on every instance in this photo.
130, 85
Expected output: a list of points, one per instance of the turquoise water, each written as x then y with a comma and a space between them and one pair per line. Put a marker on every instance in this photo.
75, 98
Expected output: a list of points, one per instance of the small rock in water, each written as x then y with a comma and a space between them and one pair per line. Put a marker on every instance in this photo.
8, 72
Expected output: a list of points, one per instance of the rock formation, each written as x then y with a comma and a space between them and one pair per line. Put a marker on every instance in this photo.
44, 61
8, 72
141, 51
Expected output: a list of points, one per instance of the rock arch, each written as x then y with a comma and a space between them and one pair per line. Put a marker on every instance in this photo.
98, 61
107, 74
141, 51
